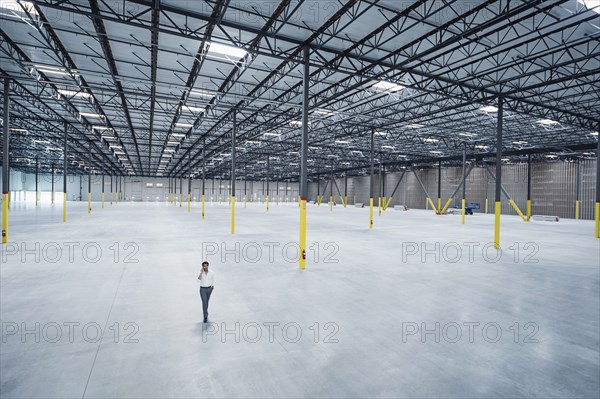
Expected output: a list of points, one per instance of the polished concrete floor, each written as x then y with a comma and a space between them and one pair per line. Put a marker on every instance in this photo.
419, 306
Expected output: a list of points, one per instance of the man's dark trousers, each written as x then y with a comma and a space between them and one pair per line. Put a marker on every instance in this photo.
205, 296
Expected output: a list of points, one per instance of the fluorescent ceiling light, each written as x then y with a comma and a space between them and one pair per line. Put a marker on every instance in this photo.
356, 152
99, 127
296, 123
519, 142
180, 124
388, 86
177, 134
414, 126
388, 146
229, 51
591, 4
109, 138
90, 115
74, 93
41, 141
172, 142
324, 112
272, 134
467, 134
489, 108
430, 140
202, 93
341, 142
197, 110
594, 133
53, 149
435, 152
380, 133
17, 130
52, 70
547, 122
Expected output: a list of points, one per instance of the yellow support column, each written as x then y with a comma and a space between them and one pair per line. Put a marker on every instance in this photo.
202, 206
597, 219
330, 203
345, 201
371, 212
189, 202
497, 209
64, 207
486, 206
232, 214
528, 210
277, 200
439, 206
302, 251
516, 208
430, 201
463, 211
576, 210
4, 218
89, 202
446, 206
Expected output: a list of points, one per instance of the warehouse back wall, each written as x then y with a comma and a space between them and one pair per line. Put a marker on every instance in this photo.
553, 188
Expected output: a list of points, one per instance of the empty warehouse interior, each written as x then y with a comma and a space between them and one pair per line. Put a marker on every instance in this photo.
300, 199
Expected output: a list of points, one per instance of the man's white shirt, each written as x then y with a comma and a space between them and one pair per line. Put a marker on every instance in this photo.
208, 279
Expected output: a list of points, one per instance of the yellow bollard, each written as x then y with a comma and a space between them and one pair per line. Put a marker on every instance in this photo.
89, 202
111, 197
302, 250
330, 203
4, 218
463, 211
486, 206
439, 206
189, 202
64, 207
202, 206
102, 200
528, 210
232, 214
497, 209
576, 210
371, 212
379, 206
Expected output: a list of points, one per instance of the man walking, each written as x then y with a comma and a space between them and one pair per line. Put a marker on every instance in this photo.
207, 283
